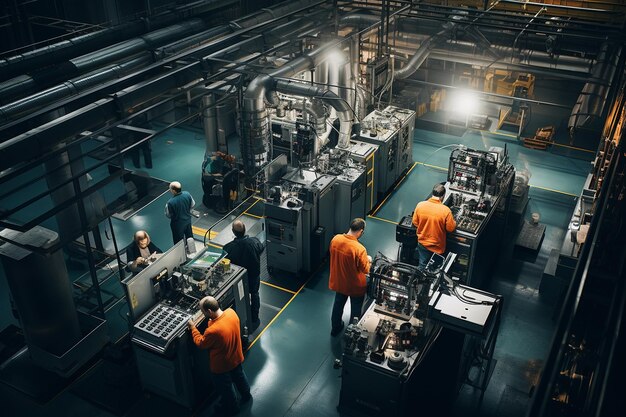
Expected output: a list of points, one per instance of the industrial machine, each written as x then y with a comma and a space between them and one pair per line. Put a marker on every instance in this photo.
516, 116
59, 337
478, 192
392, 352
293, 137
350, 188
376, 75
299, 220
392, 130
368, 155
162, 299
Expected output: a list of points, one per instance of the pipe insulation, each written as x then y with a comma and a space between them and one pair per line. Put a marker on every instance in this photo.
26, 84
79, 45
71, 87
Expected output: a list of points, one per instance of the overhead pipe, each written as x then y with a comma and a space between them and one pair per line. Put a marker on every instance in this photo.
24, 143
71, 87
80, 45
128, 97
360, 19
22, 85
191, 41
263, 15
424, 50
536, 36
420, 56
464, 50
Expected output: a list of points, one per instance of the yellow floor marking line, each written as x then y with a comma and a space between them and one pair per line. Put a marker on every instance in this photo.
381, 219
574, 147
202, 232
554, 191
277, 315
277, 287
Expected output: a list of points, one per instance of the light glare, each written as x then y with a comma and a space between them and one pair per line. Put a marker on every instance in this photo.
464, 102
336, 58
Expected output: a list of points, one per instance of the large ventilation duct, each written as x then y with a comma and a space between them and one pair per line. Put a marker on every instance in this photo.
26, 84
592, 98
264, 15
96, 77
255, 122
479, 50
423, 51
191, 41
359, 19
209, 122
523, 57
318, 116
82, 44
71, 87
344, 112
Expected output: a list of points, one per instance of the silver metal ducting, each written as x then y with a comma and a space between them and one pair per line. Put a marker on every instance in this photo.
264, 15
191, 41
71, 87
344, 112
82, 44
317, 119
22, 85
360, 103
359, 19
421, 54
255, 122
209, 122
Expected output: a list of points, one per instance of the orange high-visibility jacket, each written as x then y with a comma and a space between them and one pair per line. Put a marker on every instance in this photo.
223, 339
348, 266
433, 220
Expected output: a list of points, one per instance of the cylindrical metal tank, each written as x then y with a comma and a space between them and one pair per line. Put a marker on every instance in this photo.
41, 290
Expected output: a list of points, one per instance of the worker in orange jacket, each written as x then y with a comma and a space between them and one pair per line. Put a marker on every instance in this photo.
223, 339
349, 262
432, 219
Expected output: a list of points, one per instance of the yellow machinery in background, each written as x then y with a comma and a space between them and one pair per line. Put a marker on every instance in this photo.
544, 137
514, 84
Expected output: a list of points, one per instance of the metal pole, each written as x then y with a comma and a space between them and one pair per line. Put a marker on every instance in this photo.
90, 259
117, 253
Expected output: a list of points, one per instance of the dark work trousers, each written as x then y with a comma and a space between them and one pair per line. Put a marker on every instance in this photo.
356, 305
180, 231
423, 255
255, 300
146, 149
225, 388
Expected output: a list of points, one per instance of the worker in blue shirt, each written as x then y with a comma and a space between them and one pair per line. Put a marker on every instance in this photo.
178, 210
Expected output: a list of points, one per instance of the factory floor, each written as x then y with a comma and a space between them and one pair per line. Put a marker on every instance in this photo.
290, 361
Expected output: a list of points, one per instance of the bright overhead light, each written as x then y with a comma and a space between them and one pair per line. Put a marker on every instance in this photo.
464, 102
336, 57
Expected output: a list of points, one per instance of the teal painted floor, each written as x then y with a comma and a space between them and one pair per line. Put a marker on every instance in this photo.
290, 364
